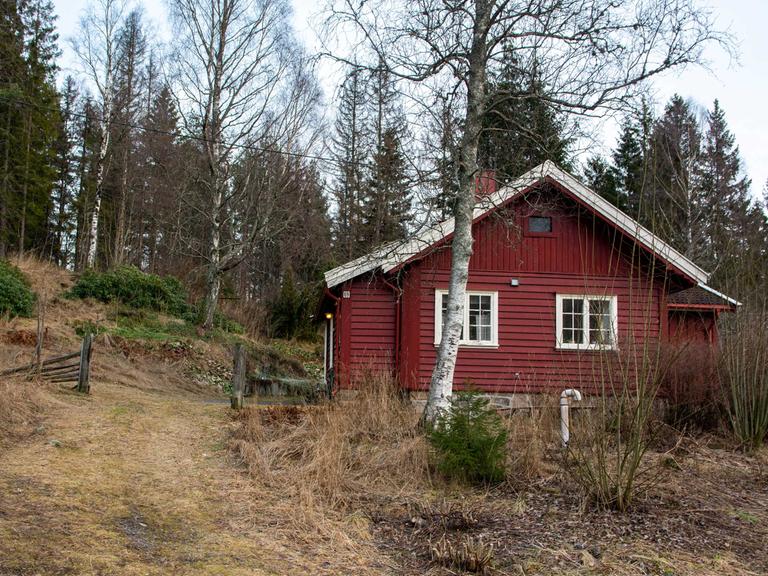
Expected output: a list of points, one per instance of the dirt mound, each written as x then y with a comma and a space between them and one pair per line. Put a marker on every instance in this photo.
26, 338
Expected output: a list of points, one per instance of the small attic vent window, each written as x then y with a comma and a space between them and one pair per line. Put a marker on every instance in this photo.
540, 224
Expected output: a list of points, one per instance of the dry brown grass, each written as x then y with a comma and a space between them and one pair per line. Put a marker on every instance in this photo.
533, 434
336, 454
46, 278
21, 405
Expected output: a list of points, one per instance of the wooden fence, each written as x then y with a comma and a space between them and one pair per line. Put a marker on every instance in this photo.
72, 367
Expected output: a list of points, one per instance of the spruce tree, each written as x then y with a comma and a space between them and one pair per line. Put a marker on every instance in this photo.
629, 168
734, 221
679, 210
128, 101
350, 149
600, 176
12, 73
387, 203
442, 143
520, 129
31, 123
62, 222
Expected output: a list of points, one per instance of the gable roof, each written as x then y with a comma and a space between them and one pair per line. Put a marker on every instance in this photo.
394, 254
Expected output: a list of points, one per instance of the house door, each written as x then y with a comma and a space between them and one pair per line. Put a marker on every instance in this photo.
328, 354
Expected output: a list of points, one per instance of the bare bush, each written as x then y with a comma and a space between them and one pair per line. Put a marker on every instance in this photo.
338, 452
743, 367
607, 454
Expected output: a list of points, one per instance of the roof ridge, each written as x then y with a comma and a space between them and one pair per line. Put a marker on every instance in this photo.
402, 251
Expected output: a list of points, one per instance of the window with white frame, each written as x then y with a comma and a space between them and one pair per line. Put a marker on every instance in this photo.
586, 322
480, 323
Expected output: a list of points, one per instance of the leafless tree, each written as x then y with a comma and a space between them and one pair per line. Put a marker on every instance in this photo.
241, 86
591, 54
96, 47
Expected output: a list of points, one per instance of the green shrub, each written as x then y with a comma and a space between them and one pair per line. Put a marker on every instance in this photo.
194, 315
16, 297
470, 440
134, 288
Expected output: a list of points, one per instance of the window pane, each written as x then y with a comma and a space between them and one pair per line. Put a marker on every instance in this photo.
600, 322
539, 224
480, 320
573, 321
444, 308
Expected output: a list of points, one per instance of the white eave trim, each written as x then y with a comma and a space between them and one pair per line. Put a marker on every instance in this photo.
394, 254
720, 295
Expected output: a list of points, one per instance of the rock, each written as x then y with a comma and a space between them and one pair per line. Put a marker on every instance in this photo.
55, 443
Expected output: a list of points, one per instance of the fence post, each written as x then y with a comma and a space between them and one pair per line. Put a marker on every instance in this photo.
238, 378
40, 333
83, 378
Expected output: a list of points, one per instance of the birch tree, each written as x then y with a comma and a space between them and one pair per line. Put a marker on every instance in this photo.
240, 85
96, 47
591, 55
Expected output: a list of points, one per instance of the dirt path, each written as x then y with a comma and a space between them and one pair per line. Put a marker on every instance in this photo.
131, 481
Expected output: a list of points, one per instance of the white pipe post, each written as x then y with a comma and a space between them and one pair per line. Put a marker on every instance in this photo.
565, 407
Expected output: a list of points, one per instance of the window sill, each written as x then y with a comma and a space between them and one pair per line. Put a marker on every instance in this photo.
586, 348
474, 345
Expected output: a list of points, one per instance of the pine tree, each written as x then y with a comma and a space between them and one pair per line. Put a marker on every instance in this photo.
89, 139
156, 226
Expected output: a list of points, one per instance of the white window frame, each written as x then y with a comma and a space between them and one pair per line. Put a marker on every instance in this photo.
585, 344
492, 343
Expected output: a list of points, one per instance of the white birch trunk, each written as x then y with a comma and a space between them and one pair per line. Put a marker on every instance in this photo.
93, 233
441, 384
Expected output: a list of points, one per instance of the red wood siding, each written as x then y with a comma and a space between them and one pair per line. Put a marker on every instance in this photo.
583, 256
693, 326
526, 358
367, 334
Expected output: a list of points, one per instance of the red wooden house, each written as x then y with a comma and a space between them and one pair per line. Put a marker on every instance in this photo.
558, 275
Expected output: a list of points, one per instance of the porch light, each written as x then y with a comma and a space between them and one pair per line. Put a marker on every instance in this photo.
328, 315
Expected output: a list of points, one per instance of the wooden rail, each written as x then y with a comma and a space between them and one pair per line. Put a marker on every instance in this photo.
62, 368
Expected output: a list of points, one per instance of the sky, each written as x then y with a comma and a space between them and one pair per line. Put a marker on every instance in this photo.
740, 86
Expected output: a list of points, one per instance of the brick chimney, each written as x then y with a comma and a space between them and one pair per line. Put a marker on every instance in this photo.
485, 183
